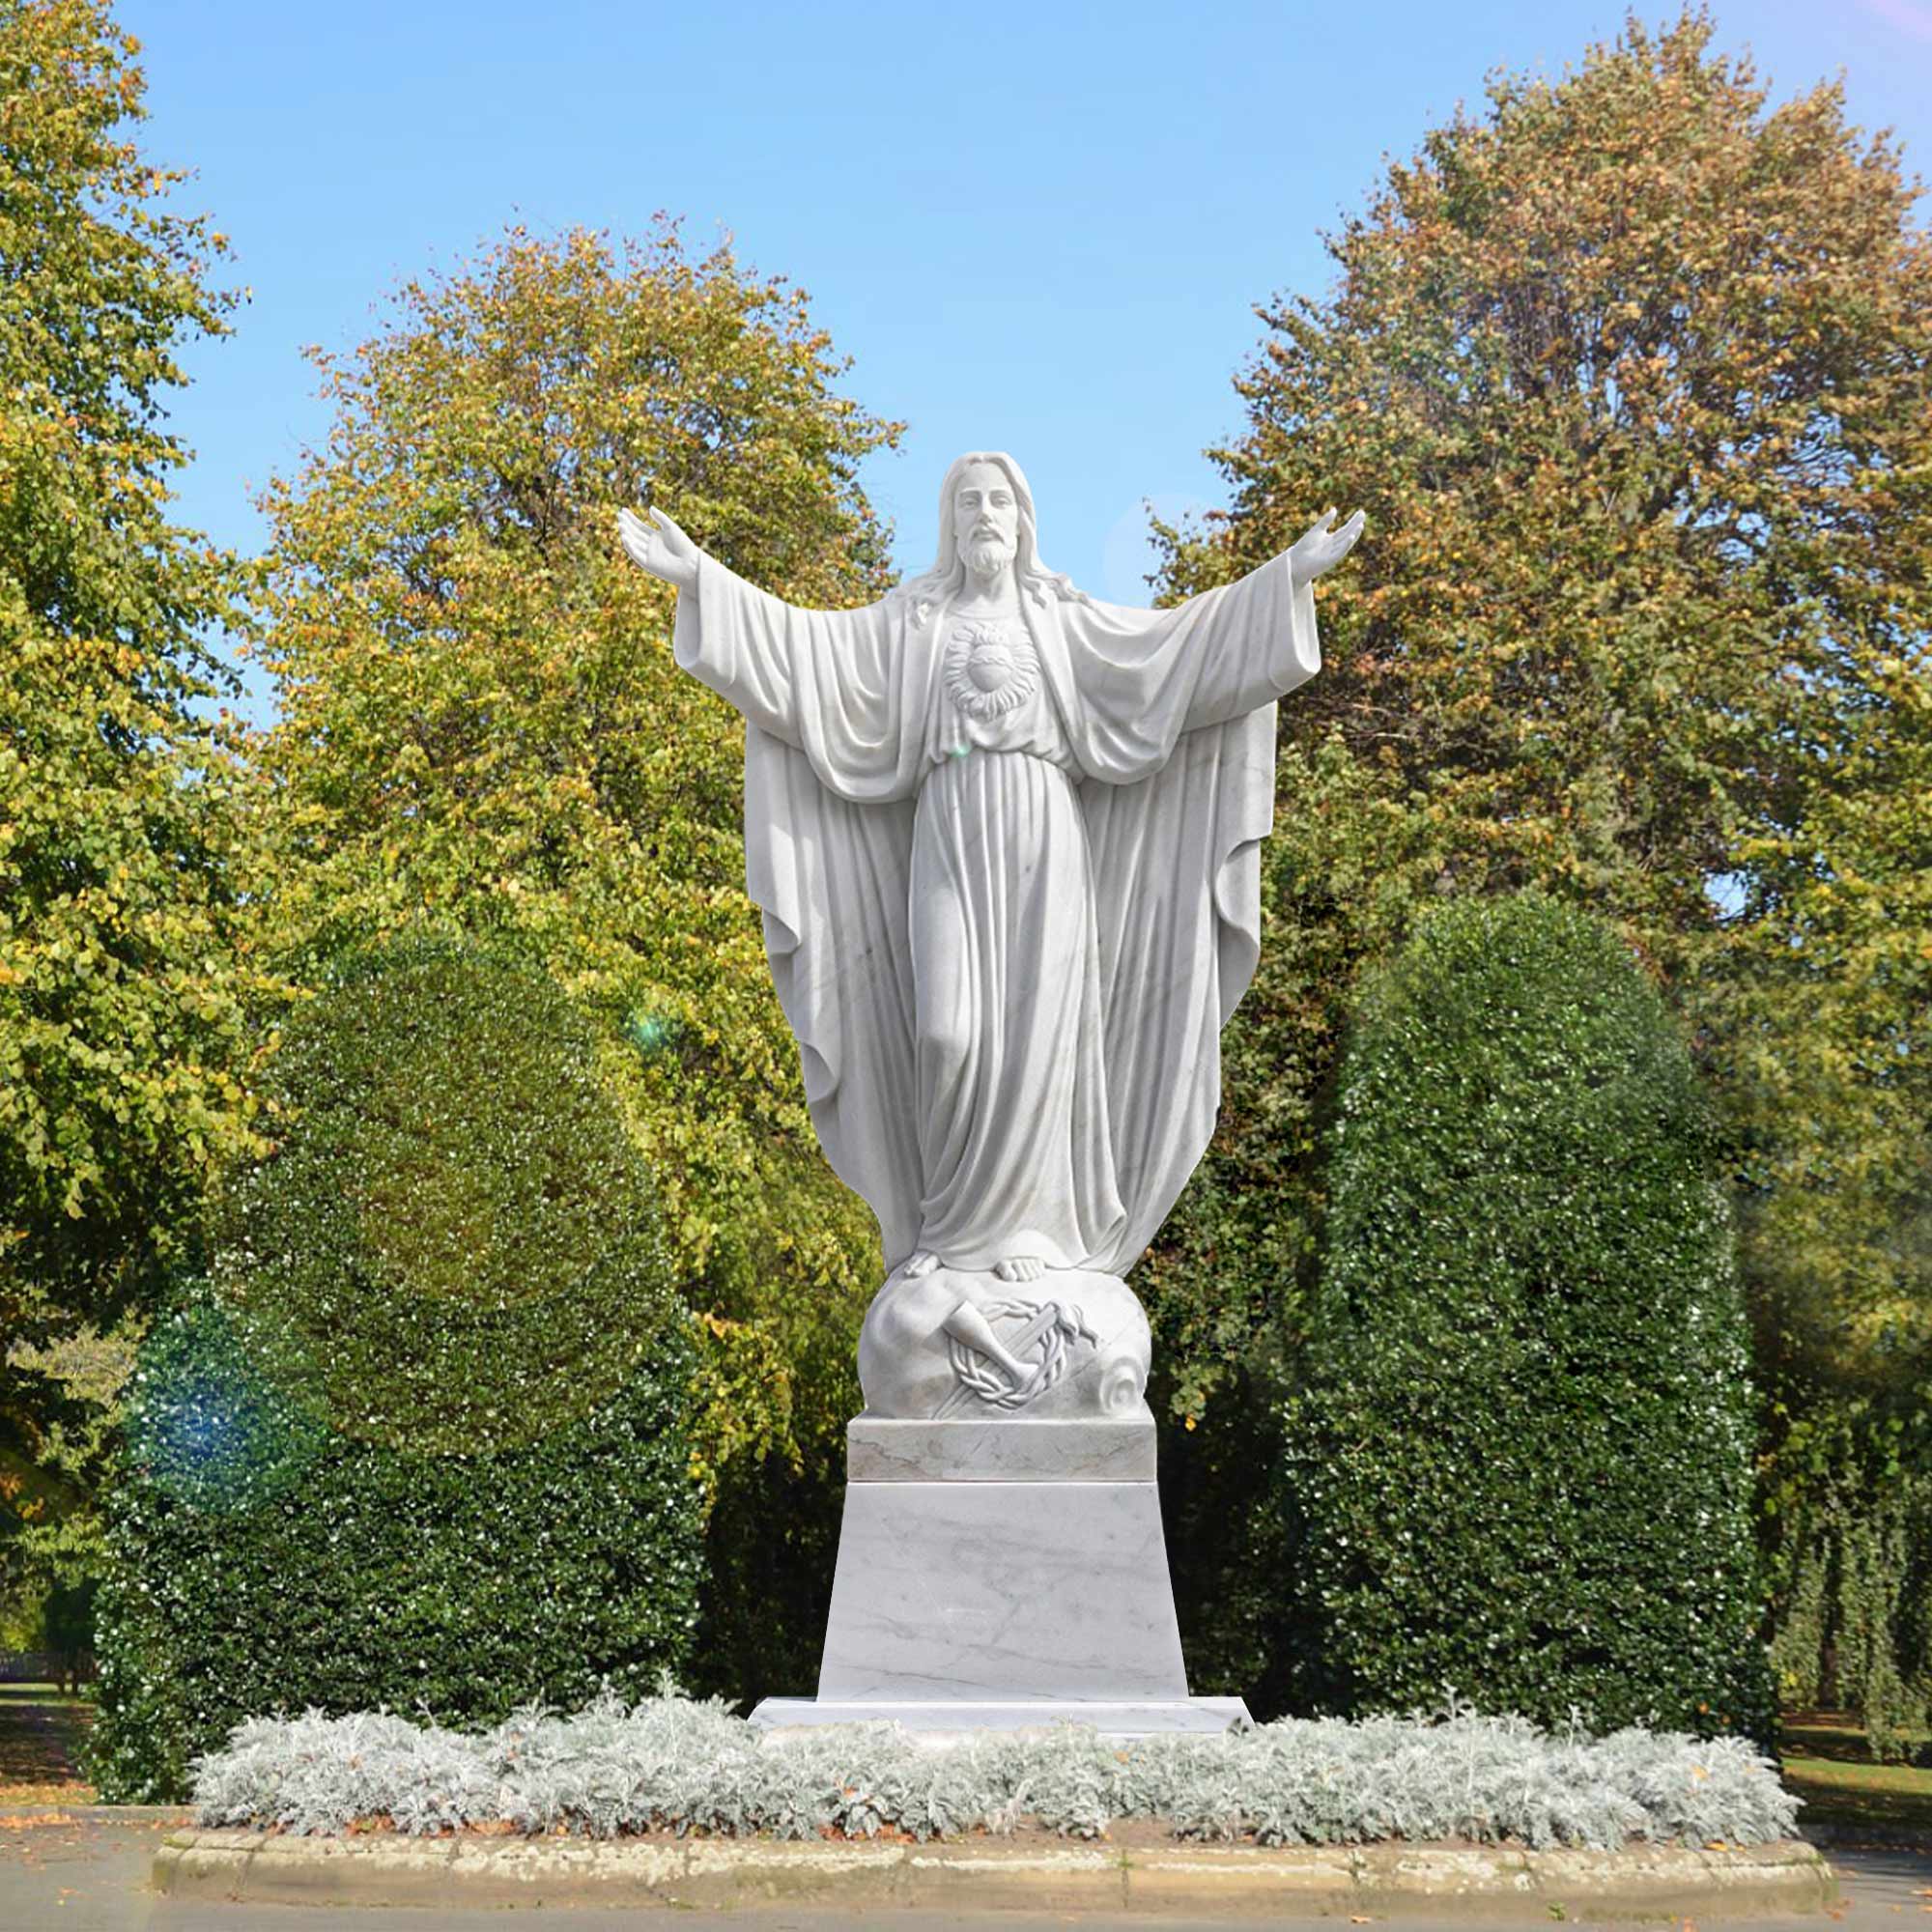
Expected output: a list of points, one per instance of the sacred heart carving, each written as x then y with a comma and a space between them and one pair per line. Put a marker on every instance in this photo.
990, 669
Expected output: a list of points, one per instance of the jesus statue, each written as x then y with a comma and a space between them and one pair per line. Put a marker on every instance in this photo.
1004, 837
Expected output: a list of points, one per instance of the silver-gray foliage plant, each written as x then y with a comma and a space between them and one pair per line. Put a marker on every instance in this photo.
672, 1763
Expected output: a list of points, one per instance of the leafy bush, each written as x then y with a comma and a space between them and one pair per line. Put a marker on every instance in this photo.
422, 1437
673, 1764
1522, 1466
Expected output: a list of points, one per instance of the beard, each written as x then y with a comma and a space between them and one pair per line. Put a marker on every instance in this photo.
986, 557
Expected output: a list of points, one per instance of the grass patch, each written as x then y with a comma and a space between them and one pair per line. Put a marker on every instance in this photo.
41, 1729
1827, 1763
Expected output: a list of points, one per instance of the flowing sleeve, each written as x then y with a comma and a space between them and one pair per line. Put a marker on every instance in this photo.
830, 781
1173, 723
833, 880
1177, 889
1147, 678
824, 682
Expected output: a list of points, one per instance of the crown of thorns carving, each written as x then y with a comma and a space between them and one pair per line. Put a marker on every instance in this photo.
1055, 1327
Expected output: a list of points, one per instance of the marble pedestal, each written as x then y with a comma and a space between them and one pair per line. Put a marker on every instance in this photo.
996, 1574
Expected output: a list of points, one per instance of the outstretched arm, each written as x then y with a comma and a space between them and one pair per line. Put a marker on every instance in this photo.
740, 641
730, 635
1229, 650
821, 680
1244, 645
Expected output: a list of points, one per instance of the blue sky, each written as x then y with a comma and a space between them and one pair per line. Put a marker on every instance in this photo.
1039, 228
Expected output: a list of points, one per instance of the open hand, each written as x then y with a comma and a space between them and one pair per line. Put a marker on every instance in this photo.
660, 546
1322, 546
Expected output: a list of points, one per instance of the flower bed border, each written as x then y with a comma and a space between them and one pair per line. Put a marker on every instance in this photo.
1034, 1872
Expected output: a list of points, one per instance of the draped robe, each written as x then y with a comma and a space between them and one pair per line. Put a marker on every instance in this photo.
1007, 954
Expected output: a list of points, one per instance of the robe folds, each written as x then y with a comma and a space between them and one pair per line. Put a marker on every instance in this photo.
1008, 970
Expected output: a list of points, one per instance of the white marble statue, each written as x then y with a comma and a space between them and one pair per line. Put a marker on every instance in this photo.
1004, 838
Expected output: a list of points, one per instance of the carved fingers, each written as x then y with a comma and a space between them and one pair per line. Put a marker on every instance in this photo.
1322, 546
639, 538
1349, 535
658, 546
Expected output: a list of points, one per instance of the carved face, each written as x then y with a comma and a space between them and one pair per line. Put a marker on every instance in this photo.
985, 518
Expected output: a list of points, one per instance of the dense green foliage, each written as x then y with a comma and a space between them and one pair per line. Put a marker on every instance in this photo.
457, 1242
1521, 1466
424, 1435
1629, 367
482, 730
123, 967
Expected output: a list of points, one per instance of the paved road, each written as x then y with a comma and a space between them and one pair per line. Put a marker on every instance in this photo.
89, 1875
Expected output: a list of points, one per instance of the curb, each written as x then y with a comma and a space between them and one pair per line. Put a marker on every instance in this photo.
1227, 1881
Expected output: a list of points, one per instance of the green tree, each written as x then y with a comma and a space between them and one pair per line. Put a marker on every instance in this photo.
125, 971
1630, 370
482, 729
1521, 1466
1852, 1501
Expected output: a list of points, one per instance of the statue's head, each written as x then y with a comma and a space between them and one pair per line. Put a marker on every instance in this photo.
983, 507
986, 522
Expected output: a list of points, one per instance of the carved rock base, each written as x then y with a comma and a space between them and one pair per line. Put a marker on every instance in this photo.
1000, 1575
1075, 1342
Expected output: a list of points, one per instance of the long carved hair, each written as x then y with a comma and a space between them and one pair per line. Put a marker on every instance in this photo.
948, 571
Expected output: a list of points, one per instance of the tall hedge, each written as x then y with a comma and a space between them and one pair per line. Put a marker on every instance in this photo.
1522, 1466
421, 1436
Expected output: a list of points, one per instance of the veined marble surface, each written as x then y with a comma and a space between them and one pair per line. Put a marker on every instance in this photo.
946, 1723
1002, 1592
1086, 1449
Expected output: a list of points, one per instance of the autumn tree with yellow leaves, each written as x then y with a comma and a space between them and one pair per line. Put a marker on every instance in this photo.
1632, 370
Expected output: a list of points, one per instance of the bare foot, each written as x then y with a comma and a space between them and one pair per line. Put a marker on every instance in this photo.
1020, 1268
922, 1263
